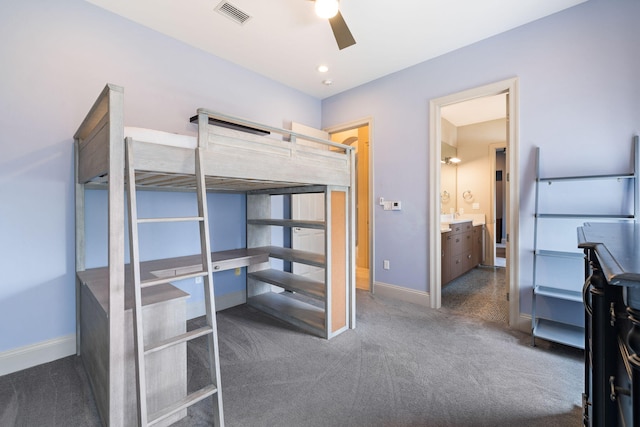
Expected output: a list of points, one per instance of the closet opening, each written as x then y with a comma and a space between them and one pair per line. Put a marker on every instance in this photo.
358, 135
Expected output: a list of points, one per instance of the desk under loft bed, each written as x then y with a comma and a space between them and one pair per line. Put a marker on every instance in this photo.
236, 156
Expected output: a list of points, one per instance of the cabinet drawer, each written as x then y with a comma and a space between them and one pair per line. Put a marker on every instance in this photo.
467, 241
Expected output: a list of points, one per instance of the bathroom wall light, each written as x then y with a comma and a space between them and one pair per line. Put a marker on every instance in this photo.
450, 160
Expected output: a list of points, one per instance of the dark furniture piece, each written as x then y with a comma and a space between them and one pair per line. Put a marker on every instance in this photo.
612, 319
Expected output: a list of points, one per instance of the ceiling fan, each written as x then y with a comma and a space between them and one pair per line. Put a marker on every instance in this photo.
329, 9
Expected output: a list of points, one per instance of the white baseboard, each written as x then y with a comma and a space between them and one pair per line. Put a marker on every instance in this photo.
37, 354
403, 294
196, 309
524, 323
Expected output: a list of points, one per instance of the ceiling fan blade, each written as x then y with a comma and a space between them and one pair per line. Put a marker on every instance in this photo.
341, 31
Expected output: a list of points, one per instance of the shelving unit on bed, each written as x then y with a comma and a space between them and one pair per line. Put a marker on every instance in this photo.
237, 156
323, 309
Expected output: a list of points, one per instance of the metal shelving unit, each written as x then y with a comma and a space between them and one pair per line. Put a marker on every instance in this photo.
562, 204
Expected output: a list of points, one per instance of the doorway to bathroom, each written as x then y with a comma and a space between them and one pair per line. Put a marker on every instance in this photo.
482, 199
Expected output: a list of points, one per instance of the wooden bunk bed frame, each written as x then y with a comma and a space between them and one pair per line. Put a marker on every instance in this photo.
234, 160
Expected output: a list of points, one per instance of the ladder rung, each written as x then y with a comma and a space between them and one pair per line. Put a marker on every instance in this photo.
189, 400
178, 339
169, 279
171, 219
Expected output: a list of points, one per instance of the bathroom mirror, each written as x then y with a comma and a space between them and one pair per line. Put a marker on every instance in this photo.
448, 151
448, 180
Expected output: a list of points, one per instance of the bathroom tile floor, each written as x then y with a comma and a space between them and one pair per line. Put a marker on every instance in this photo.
482, 293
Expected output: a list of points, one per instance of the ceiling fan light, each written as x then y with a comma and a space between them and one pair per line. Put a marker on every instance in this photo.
326, 8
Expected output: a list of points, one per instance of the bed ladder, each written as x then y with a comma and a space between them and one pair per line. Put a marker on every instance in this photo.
210, 330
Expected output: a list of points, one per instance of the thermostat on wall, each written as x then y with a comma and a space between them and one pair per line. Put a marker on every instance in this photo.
390, 205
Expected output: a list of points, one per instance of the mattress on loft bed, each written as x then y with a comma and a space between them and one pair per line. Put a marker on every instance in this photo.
179, 181
236, 166
160, 137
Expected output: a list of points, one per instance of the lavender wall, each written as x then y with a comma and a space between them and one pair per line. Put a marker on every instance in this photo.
56, 58
579, 99
579, 75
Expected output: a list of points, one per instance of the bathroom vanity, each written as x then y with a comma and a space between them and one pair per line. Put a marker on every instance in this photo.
462, 248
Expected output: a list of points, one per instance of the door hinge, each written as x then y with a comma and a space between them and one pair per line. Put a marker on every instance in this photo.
507, 237
507, 176
507, 296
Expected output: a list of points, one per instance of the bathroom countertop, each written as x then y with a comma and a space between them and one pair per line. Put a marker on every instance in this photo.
476, 219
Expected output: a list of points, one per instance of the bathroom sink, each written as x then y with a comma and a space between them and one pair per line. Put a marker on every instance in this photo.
447, 219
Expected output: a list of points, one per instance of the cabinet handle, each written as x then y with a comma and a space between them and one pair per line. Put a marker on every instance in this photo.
616, 390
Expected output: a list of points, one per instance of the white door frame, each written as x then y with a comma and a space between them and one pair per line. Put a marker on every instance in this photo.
513, 211
491, 220
367, 121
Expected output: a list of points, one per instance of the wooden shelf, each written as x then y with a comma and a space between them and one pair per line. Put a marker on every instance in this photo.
293, 255
298, 313
291, 223
559, 332
292, 282
316, 295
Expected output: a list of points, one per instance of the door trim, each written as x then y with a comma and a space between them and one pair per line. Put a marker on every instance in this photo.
513, 211
367, 121
491, 221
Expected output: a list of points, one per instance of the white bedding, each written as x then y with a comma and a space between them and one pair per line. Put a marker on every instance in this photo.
160, 137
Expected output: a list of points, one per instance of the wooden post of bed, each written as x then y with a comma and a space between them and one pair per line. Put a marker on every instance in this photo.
104, 125
351, 227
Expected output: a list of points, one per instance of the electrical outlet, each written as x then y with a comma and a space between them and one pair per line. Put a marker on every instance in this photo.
385, 264
237, 271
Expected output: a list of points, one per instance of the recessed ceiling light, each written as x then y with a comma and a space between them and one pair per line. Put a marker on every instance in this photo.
327, 82
322, 68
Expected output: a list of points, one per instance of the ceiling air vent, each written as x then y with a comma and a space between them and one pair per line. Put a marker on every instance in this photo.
230, 11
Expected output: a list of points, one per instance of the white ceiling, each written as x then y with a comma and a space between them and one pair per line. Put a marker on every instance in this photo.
285, 41
477, 110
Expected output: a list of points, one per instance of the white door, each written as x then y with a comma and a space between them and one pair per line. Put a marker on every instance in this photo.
308, 207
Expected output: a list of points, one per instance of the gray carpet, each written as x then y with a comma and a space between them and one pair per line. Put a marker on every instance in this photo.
404, 365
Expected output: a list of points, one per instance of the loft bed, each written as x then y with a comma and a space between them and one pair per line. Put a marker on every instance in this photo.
237, 156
